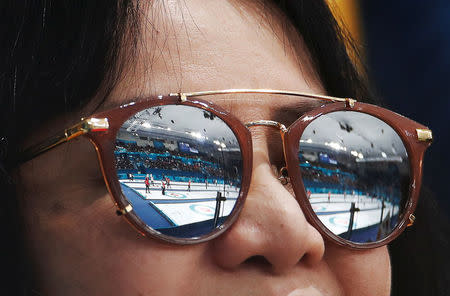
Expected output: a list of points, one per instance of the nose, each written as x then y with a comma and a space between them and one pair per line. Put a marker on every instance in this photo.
271, 225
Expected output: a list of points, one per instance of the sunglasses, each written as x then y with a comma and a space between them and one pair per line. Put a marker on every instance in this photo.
179, 168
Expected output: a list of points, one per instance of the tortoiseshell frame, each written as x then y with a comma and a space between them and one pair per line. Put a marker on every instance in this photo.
406, 128
105, 145
415, 137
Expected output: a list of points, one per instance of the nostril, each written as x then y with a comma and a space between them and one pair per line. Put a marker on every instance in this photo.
258, 261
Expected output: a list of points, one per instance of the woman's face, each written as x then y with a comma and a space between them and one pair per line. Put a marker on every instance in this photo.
81, 247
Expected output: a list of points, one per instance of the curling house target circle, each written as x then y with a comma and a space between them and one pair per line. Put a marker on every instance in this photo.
176, 195
341, 221
202, 210
318, 208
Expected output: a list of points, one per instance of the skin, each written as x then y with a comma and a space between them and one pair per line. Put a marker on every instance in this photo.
80, 247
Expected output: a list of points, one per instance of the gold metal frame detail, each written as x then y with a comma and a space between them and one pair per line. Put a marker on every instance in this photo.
424, 135
184, 95
83, 127
271, 123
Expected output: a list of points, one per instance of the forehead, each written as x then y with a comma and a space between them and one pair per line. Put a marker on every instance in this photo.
195, 45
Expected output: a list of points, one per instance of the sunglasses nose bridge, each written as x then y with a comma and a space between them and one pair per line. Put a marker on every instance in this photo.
269, 123
282, 129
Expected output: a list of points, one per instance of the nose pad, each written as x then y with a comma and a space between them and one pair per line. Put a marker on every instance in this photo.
271, 225
283, 176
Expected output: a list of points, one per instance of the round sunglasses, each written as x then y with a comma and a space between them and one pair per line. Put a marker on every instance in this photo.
179, 168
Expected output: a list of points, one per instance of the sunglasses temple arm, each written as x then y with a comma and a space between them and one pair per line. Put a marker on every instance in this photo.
81, 128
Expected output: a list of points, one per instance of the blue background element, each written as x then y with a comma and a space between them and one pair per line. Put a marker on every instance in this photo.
408, 52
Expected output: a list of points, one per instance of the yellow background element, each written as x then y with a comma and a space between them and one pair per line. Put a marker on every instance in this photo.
347, 13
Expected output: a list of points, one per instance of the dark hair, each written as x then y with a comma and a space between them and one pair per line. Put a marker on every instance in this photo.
57, 55
420, 256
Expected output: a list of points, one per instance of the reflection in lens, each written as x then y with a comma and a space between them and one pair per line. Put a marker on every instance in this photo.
356, 174
180, 167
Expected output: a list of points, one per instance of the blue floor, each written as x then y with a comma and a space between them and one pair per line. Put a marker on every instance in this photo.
145, 210
158, 221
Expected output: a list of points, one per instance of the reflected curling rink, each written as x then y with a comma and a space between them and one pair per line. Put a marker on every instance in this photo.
158, 142
372, 216
356, 168
179, 207
183, 209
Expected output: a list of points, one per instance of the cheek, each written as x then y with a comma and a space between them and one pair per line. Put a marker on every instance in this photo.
360, 272
144, 266
79, 246
91, 251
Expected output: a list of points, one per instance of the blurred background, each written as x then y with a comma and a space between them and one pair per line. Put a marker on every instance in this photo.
406, 47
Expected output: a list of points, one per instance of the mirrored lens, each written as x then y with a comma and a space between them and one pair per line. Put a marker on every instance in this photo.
356, 174
180, 167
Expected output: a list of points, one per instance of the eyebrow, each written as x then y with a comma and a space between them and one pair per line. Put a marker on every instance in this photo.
287, 114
